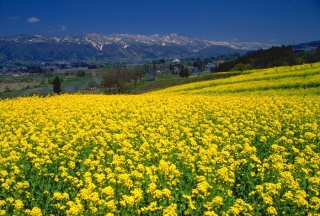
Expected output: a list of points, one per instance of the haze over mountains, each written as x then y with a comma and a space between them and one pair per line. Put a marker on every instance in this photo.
115, 47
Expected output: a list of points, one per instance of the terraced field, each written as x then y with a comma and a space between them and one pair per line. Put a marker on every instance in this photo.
301, 79
246, 145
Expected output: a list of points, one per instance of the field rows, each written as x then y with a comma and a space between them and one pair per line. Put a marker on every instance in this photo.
258, 80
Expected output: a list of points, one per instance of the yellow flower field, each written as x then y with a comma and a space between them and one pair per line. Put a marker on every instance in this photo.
161, 153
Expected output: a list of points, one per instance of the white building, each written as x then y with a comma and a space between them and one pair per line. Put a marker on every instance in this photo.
176, 61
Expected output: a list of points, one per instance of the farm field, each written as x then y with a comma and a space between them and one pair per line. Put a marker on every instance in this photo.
244, 145
12, 86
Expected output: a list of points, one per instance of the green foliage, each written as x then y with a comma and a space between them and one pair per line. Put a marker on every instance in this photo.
137, 74
56, 85
117, 78
7, 89
272, 57
184, 71
181, 73
93, 83
154, 71
43, 81
81, 73
27, 87
242, 67
51, 79
171, 68
108, 79
27, 79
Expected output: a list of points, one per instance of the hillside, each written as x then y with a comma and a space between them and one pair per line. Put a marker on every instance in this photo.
273, 57
299, 79
242, 145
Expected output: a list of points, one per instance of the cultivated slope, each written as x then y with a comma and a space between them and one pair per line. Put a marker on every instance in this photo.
206, 148
300, 79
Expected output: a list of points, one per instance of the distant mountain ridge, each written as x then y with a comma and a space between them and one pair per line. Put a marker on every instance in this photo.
115, 47
306, 47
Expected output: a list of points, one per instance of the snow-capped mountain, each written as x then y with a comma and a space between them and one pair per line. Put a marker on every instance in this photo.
98, 41
115, 46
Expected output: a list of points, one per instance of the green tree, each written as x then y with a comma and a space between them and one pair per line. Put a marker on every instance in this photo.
241, 67
108, 79
196, 64
182, 71
81, 73
186, 72
56, 85
122, 77
154, 71
171, 68
201, 66
51, 79
137, 74
118, 78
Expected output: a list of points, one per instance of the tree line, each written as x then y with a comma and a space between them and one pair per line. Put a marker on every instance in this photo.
272, 57
117, 78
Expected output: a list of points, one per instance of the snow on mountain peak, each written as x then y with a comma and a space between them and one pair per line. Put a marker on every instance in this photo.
99, 40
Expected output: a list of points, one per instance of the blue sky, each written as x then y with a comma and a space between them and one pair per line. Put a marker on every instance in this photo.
270, 21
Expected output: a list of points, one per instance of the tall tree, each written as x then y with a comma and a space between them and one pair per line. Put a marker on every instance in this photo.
137, 74
56, 85
108, 79
182, 71
201, 66
122, 76
154, 71
196, 64
171, 68
186, 72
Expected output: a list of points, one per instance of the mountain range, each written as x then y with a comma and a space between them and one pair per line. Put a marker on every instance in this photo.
115, 47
